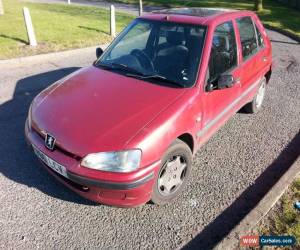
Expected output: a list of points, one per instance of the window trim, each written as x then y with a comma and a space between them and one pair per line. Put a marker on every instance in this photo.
257, 28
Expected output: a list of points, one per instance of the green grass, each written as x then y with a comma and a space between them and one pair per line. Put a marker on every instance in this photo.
57, 27
274, 14
286, 219
60, 27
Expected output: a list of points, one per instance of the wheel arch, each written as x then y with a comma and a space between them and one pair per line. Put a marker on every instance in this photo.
188, 139
268, 75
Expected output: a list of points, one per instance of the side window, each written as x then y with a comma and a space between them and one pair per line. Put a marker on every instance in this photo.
248, 37
223, 56
260, 38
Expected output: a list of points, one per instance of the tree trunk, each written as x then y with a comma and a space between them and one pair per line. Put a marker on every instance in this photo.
1, 8
258, 5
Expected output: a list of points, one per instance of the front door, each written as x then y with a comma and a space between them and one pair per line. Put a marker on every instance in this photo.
220, 104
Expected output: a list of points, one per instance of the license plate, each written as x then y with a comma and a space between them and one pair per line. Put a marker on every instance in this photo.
51, 163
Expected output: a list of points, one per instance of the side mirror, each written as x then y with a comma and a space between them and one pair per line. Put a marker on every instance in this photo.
225, 81
99, 52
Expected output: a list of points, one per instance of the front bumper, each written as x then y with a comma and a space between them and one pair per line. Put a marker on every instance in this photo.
116, 189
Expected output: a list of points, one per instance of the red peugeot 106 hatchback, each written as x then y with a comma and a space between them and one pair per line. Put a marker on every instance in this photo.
123, 131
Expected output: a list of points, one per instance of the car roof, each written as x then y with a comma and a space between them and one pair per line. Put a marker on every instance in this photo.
200, 12
195, 15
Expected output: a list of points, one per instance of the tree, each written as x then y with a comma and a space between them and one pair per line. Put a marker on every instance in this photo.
258, 5
1, 8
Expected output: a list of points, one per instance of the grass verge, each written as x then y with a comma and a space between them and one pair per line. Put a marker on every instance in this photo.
57, 27
274, 14
284, 219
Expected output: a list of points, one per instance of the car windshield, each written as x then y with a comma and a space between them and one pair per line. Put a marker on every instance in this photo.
158, 51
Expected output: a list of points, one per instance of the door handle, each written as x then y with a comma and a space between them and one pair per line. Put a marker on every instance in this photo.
265, 58
238, 80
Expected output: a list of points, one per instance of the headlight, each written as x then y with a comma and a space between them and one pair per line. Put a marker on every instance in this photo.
122, 161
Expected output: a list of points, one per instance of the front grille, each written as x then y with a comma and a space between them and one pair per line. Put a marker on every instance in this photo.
63, 151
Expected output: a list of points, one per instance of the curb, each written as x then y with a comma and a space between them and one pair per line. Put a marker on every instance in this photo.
15, 62
283, 32
231, 241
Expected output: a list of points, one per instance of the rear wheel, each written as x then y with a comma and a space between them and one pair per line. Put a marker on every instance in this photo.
173, 174
255, 105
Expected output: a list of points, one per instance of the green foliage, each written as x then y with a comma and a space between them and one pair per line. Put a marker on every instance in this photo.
57, 27
273, 13
285, 220
258, 5
61, 26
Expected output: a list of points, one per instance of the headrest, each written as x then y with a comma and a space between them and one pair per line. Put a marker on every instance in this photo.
174, 37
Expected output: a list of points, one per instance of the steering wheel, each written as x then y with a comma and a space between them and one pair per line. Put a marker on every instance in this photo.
144, 59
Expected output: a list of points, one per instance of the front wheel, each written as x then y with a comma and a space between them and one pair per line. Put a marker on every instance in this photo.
255, 105
173, 174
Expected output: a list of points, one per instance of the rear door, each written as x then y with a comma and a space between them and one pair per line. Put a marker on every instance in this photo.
253, 56
264, 51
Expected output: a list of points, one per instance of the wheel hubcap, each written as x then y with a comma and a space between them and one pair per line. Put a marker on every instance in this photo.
171, 175
260, 95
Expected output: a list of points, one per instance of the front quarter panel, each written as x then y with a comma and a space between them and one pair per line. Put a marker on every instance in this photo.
178, 119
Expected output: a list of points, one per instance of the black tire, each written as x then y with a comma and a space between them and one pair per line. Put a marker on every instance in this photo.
177, 149
253, 106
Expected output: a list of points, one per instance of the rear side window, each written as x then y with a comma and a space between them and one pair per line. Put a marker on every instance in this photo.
223, 56
248, 37
260, 38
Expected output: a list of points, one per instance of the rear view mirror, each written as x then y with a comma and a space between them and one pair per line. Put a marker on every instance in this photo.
225, 81
99, 52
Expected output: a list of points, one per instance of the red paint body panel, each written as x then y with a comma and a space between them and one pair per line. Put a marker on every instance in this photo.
97, 111
94, 110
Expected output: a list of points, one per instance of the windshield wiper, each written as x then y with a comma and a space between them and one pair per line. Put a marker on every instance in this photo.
119, 66
158, 77
137, 74
102, 65
126, 68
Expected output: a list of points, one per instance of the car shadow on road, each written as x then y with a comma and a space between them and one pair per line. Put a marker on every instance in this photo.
212, 234
17, 162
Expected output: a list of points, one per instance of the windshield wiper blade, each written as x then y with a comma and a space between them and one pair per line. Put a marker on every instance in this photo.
135, 73
161, 78
102, 65
126, 68
119, 66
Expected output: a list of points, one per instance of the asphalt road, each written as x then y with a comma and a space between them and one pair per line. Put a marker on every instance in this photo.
230, 174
